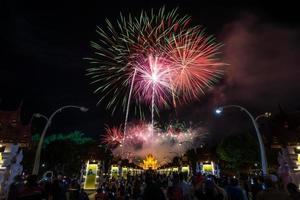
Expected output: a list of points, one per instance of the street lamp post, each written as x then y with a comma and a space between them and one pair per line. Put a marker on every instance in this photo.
37, 158
266, 115
260, 141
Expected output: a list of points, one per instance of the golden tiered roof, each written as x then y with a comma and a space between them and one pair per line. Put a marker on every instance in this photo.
150, 162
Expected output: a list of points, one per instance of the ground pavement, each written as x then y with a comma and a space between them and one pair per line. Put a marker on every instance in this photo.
91, 194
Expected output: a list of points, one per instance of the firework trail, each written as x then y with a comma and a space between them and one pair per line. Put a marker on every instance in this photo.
128, 103
152, 82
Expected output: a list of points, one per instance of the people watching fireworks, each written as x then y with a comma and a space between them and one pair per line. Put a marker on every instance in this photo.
152, 185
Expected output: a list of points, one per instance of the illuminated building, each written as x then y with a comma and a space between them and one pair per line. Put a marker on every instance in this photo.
283, 135
91, 176
114, 172
12, 130
150, 163
13, 135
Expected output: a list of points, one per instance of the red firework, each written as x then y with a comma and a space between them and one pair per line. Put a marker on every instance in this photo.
113, 136
181, 70
194, 63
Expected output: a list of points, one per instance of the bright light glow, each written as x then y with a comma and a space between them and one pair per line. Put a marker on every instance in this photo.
149, 163
268, 114
218, 111
114, 171
185, 169
154, 77
91, 176
1, 159
84, 109
37, 115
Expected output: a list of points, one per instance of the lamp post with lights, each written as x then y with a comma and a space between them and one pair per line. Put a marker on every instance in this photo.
37, 159
258, 134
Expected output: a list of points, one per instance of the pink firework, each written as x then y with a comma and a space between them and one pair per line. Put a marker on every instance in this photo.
141, 140
139, 133
113, 136
187, 66
158, 54
152, 80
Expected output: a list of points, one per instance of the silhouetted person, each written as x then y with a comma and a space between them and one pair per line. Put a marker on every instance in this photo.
211, 191
152, 190
185, 186
31, 190
74, 191
255, 188
58, 189
15, 187
234, 190
175, 192
271, 192
101, 195
294, 193
83, 195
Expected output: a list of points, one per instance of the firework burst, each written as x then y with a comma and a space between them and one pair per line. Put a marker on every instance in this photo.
155, 59
120, 48
188, 59
194, 62
141, 140
152, 80
113, 137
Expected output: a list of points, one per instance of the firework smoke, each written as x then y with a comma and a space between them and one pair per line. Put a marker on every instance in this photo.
164, 145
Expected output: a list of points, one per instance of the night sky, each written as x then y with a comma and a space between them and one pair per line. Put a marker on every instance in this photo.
43, 45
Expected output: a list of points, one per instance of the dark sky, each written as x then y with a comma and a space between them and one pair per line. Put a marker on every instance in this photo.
43, 45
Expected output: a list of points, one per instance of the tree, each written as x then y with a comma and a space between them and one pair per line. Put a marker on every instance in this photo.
64, 156
65, 152
238, 151
76, 137
192, 157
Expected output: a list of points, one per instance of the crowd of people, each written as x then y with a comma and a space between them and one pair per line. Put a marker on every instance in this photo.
58, 188
153, 186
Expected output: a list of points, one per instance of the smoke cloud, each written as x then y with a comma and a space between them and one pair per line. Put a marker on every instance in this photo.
264, 63
141, 141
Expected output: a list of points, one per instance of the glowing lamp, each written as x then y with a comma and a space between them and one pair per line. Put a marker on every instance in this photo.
219, 110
